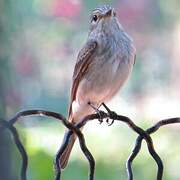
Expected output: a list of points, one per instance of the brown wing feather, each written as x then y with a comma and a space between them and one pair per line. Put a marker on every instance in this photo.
83, 61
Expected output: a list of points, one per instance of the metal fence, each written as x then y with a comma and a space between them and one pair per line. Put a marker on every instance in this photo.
101, 115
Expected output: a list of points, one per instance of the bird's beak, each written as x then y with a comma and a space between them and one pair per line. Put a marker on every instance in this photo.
109, 13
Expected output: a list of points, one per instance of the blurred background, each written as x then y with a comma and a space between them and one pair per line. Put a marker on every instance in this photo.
39, 43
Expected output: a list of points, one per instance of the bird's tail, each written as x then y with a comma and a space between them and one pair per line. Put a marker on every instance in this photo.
65, 156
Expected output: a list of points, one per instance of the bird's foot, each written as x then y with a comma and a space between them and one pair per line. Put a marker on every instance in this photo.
98, 112
111, 114
100, 120
108, 121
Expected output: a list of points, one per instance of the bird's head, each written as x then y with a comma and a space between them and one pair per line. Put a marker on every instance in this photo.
102, 18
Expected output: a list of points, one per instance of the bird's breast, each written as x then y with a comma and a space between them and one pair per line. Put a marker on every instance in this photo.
109, 68
103, 76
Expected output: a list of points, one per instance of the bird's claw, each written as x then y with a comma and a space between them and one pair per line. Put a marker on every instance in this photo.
111, 115
100, 121
109, 123
98, 112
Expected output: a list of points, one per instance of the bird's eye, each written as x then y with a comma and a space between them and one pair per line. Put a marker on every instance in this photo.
95, 18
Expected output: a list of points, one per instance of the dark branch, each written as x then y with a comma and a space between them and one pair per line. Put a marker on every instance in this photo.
139, 139
75, 129
19, 146
135, 128
68, 125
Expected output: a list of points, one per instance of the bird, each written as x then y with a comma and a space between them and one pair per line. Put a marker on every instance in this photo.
103, 65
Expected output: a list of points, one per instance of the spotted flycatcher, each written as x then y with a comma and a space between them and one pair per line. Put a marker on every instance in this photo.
103, 65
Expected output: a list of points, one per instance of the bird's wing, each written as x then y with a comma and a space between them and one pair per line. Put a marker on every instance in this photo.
83, 61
